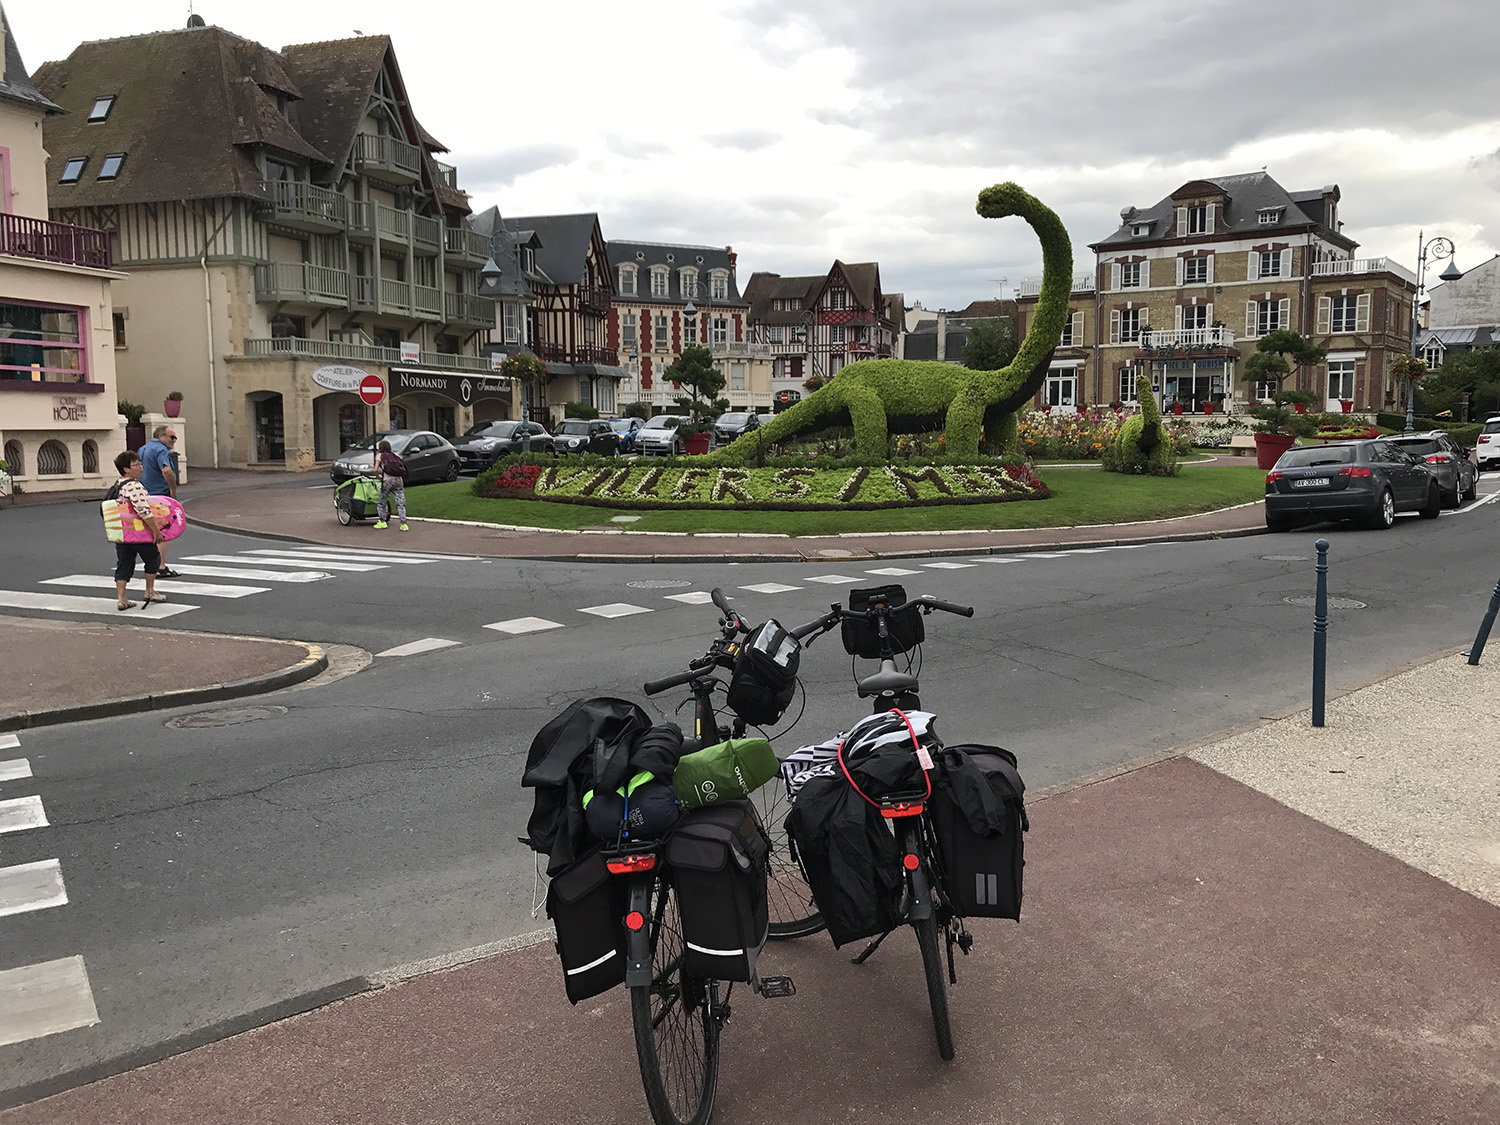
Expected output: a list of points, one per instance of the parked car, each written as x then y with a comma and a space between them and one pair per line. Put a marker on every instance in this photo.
629, 430
428, 457
487, 442
1487, 452
659, 435
1368, 480
585, 435
733, 425
1453, 465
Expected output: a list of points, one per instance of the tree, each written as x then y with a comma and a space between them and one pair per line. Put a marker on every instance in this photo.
636, 410
1277, 355
991, 344
579, 410
1476, 373
696, 372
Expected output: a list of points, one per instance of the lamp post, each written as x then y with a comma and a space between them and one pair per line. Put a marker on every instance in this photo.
1437, 248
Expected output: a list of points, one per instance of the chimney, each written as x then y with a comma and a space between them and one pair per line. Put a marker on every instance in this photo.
733, 257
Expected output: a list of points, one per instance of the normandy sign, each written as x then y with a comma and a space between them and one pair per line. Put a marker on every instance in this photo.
339, 377
462, 389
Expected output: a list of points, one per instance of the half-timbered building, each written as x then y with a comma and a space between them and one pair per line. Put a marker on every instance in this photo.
288, 230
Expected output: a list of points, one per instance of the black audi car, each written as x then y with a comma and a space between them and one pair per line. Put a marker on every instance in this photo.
1369, 481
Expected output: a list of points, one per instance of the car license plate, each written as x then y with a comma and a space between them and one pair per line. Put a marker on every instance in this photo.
1311, 482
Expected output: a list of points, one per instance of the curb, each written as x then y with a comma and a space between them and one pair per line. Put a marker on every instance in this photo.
309, 666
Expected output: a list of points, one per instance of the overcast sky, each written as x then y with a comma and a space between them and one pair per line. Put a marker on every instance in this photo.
864, 129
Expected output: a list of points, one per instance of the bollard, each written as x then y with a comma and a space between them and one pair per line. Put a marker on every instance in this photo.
1484, 627
1320, 635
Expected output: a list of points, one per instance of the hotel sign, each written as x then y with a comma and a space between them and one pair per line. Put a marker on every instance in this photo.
70, 408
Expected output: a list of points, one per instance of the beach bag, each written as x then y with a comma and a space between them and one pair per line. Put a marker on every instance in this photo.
718, 858
862, 638
587, 908
724, 772
978, 815
764, 678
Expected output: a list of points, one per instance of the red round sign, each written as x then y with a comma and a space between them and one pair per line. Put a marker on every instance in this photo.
371, 389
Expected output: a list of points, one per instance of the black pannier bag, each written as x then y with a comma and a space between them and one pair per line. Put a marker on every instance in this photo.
717, 858
765, 675
587, 909
862, 638
979, 817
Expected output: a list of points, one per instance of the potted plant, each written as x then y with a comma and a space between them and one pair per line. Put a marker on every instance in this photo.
173, 405
695, 372
1347, 404
1277, 354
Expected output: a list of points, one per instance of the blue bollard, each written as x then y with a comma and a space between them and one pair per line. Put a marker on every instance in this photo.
1320, 635
1484, 627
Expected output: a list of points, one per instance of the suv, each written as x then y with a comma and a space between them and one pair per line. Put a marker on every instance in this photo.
486, 442
1450, 463
730, 426
1488, 450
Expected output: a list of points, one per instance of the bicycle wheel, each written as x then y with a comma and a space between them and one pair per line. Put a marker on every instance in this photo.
676, 1025
788, 897
937, 983
342, 506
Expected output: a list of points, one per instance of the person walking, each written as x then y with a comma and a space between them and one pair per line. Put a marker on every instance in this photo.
132, 492
392, 472
159, 477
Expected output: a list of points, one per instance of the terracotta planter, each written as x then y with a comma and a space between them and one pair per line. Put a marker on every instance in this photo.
1045, 408
1300, 407
1208, 408
1347, 404
172, 407
1177, 408
696, 444
1270, 447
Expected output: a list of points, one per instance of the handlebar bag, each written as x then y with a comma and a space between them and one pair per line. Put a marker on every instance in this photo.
587, 908
765, 675
724, 772
717, 858
862, 638
979, 816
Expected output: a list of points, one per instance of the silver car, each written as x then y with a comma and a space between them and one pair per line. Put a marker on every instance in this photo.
660, 435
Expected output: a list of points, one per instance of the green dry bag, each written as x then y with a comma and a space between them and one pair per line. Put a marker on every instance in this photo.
720, 773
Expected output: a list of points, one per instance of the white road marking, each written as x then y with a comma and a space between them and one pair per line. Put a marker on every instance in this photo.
615, 609
8, 741
326, 564
15, 769
892, 571
37, 1000
412, 648
68, 603
993, 559
254, 575
31, 886
521, 625
697, 597
168, 586
830, 579
354, 555
770, 588
20, 813
947, 565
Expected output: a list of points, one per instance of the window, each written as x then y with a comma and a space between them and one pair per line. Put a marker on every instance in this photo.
1345, 310
661, 328
775, 333
794, 304
1140, 230
1130, 275
1197, 219
836, 298
720, 331
101, 107
1340, 379
285, 327
1268, 217
1127, 384
689, 283
111, 166
512, 314
526, 258
1129, 325
627, 330
627, 281
719, 286
1195, 270
1194, 317
72, 170
42, 343
118, 321
659, 283
1265, 389
689, 331
1061, 388
1268, 316
1433, 354
779, 304
836, 334
1270, 263
604, 399
736, 376
1072, 333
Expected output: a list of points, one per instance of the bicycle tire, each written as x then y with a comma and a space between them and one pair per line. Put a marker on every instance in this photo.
346, 515
676, 1025
937, 984
789, 900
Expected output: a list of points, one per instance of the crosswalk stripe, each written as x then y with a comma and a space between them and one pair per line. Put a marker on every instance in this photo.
7, 741
68, 603
830, 579
167, 586
31, 886
254, 575
947, 565
697, 597
412, 648
22, 813
43, 999
770, 588
892, 571
520, 625
325, 564
16, 769
353, 556
615, 609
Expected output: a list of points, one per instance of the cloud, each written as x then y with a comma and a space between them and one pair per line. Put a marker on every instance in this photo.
501, 169
745, 140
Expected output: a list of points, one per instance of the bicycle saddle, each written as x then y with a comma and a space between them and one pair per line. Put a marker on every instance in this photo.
886, 681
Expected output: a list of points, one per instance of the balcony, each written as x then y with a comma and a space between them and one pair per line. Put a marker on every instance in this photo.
1363, 265
360, 353
447, 175
594, 300
301, 282
465, 308
54, 242
1032, 286
427, 302
395, 296
584, 353
393, 225
741, 349
1186, 341
291, 203
361, 220
426, 233
387, 158
362, 293
465, 244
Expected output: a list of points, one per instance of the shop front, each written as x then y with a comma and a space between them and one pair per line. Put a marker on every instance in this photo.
1199, 386
445, 403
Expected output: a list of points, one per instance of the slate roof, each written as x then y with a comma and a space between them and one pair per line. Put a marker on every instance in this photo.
510, 282
864, 282
1246, 196
764, 288
336, 79
1472, 336
17, 86
644, 255
985, 310
563, 254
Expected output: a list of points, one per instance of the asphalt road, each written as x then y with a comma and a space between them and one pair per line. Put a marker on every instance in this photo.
216, 870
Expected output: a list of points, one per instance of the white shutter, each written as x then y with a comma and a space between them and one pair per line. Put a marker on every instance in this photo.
1144, 321
1182, 222
1324, 324
1145, 277
1252, 270
1250, 318
1078, 330
1362, 313
1284, 313
1114, 326
1179, 271
1177, 309
1286, 263
1208, 315
1114, 275
1210, 228
1210, 269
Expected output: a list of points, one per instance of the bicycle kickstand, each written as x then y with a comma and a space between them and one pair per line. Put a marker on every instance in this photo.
871, 948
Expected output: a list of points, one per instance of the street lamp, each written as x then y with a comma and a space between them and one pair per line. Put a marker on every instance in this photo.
1438, 248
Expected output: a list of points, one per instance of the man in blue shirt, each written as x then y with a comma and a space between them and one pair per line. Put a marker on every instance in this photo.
159, 477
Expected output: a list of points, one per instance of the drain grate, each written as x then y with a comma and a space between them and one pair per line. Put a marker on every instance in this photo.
225, 717
1333, 603
659, 584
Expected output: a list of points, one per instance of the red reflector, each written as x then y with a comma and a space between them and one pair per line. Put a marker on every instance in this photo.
911, 862
635, 920
1273, 477
1438, 458
1354, 471
899, 809
629, 864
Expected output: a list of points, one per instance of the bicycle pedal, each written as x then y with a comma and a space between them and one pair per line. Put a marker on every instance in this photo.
774, 988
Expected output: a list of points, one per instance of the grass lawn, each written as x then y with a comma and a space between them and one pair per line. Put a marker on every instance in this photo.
1083, 495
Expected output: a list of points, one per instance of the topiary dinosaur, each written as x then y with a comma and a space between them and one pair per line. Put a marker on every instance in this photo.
882, 395
1143, 444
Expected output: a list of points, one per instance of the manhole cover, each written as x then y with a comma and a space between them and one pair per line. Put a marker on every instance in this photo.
228, 717
659, 584
1333, 603
1284, 558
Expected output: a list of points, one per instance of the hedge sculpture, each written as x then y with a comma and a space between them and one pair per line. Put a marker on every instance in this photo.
1143, 445
885, 395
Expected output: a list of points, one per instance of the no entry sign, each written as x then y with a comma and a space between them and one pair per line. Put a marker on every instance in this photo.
371, 389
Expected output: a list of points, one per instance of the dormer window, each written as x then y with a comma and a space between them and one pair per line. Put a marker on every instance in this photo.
718, 283
688, 279
1140, 230
660, 281
1197, 219
73, 170
627, 281
1268, 216
525, 258
101, 107
111, 166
